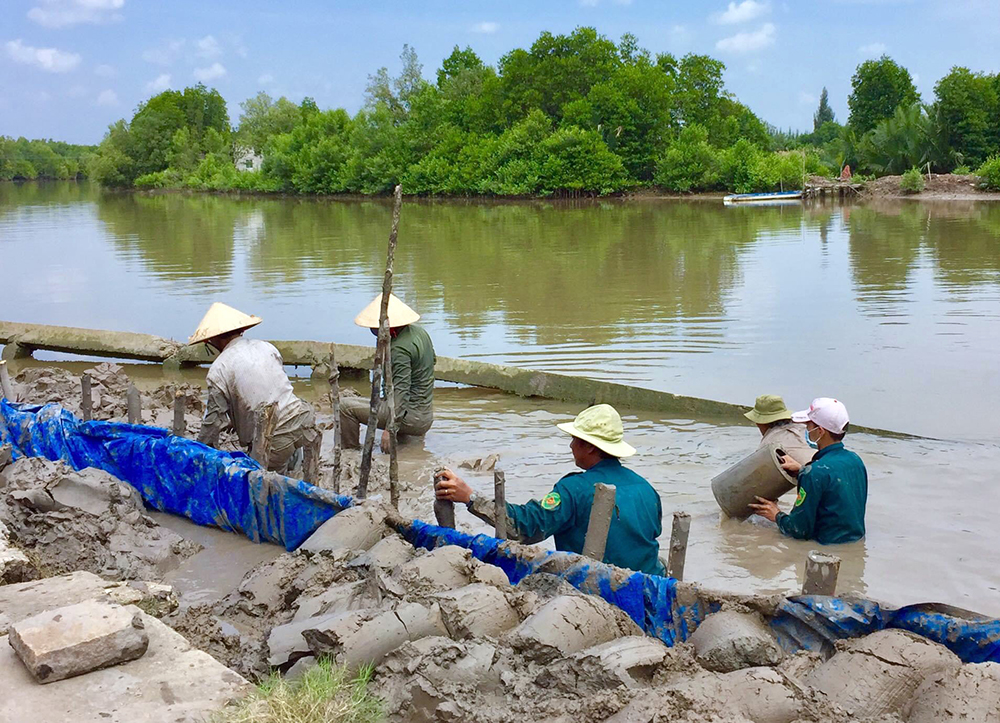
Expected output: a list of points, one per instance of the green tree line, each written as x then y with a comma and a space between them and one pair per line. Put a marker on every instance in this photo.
24, 160
571, 114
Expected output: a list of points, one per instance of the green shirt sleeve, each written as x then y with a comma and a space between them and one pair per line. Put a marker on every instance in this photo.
401, 380
800, 523
537, 520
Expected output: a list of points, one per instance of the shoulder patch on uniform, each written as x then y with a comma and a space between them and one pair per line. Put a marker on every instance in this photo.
551, 501
801, 497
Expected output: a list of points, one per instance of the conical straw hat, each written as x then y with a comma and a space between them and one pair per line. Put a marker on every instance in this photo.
222, 319
399, 313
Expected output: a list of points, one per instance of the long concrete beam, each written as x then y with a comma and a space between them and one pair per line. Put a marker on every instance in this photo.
23, 339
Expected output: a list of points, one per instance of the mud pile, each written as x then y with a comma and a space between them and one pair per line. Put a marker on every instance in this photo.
66, 521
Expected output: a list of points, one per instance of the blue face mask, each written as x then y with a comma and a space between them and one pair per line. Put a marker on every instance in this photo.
814, 445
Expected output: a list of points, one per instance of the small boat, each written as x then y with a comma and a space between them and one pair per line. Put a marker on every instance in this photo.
763, 198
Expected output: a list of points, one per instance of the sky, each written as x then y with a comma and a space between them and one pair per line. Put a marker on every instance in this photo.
69, 68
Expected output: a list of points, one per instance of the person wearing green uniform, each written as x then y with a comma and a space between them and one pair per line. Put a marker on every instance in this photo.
564, 513
412, 360
833, 487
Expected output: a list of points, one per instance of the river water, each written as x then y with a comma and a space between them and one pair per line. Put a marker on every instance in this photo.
893, 308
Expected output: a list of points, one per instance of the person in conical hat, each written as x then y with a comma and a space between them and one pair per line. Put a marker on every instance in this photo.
412, 361
774, 420
598, 446
248, 375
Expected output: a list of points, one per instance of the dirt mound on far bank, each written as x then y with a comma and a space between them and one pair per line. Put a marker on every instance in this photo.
946, 186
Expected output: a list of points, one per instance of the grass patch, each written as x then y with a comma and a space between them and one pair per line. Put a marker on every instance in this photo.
325, 694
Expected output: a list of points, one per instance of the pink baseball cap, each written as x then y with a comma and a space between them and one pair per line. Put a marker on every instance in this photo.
825, 412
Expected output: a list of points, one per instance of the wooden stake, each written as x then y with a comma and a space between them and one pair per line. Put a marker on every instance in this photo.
380, 346
310, 463
180, 401
444, 510
6, 388
264, 422
821, 574
335, 403
678, 545
600, 521
134, 405
390, 399
499, 504
86, 408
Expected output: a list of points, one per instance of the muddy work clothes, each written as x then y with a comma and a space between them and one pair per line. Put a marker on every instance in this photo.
790, 436
249, 375
830, 506
565, 513
412, 358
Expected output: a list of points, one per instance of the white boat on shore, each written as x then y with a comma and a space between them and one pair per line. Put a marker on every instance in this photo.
763, 198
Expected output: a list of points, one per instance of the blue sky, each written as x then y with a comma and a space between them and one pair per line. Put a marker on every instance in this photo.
68, 68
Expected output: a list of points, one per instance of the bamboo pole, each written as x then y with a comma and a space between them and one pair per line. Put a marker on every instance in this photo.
380, 346
134, 405
87, 405
678, 545
6, 388
335, 403
180, 401
500, 504
600, 521
392, 427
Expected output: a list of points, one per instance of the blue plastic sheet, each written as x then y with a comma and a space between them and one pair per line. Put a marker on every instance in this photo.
231, 491
224, 489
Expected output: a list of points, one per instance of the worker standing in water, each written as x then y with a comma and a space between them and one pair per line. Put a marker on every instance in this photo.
774, 420
412, 359
247, 376
832, 488
598, 446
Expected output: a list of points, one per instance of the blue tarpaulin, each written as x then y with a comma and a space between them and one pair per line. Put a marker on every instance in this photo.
231, 491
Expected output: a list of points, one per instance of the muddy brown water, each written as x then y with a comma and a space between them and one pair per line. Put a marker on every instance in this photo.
894, 308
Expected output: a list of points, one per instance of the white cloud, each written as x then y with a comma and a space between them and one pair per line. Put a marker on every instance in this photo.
107, 97
743, 12
165, 54
105, 71
872, 49
266, 79
806, 98
487, 28
49, 59
61, 13
159, 84
748, 42
212, 72
208, 48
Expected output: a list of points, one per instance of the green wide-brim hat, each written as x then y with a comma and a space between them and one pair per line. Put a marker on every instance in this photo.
768, 408
601, 425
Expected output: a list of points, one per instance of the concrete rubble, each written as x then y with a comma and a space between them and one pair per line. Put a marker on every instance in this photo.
729, 640
78, 639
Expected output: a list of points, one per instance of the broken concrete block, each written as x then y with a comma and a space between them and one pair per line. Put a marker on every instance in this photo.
337, 598
356, 528
630, 661
153, 598
877, 675
285, 644
387, 554
302, 666
444, 568
77, 639
569, 624
357, 639
26, 599
14, 565
728, 640
476, 611
171, 682
970, 694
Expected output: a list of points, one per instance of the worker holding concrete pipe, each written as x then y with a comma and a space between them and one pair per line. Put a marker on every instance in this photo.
774, 420
832, 488
412, 359
598, 446
248, 375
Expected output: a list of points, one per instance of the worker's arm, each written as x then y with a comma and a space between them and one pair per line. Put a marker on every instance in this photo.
537, 520
486, 510
216, 416
400, 382
800, 523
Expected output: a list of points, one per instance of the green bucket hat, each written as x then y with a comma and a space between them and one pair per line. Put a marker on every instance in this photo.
601, 425
768, 408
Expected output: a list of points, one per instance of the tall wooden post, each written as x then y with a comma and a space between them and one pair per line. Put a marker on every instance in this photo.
600, 521
678, 545
87, 405
500, 504
180, 401
380, 346
134, 405
335, 403
444, 510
